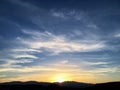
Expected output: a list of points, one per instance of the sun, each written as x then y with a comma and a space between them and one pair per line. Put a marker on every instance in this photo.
60, 78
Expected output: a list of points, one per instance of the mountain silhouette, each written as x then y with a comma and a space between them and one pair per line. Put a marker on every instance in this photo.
75, 84
68, 85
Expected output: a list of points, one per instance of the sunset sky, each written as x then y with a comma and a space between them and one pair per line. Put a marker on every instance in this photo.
60, 40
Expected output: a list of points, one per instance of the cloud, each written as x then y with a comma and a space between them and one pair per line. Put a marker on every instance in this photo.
2, 76
26, 5
24, 56
58, 14
24, 50
47, 69
26, 69
21, 61
58, 43
15, 62
64, 62
105, 70
71, 15
56, 67
68, 14
94, 26
95, 63
117, 35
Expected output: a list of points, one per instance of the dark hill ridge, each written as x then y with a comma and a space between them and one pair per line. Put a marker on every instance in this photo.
68, 85
75, 84
108, 86
64, 84
26, 83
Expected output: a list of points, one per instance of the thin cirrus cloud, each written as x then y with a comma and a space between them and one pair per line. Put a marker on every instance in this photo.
24, 50
117, 35
69, 14
24, 56
57, 43
68, 67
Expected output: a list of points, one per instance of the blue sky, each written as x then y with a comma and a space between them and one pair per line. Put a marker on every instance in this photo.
43, 38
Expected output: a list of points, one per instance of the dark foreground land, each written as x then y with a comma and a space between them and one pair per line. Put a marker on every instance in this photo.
57, 86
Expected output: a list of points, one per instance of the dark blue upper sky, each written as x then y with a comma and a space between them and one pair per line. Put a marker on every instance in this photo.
76, 35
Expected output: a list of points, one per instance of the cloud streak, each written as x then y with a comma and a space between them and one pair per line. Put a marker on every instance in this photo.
58, 43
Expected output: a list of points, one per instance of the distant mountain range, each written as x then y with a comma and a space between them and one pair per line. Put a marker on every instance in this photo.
68, 85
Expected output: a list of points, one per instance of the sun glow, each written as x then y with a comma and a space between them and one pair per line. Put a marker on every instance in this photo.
60, 78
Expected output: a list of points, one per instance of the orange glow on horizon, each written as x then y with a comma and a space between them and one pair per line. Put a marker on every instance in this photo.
60, 78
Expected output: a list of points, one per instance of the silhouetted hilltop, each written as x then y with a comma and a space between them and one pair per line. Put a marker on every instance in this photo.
26, 83
75, 84
69, 85
107, 86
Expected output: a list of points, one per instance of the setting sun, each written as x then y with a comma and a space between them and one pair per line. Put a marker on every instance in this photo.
60, 78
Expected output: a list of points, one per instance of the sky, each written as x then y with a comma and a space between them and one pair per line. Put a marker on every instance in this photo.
47, 40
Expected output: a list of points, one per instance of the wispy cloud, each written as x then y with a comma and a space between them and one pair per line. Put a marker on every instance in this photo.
68, 14
58, 43
95, 63
59, 14
117, 35
2, 76
26, 5
24, 50
23, 56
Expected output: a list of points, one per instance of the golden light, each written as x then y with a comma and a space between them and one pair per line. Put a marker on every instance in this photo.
60, 78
